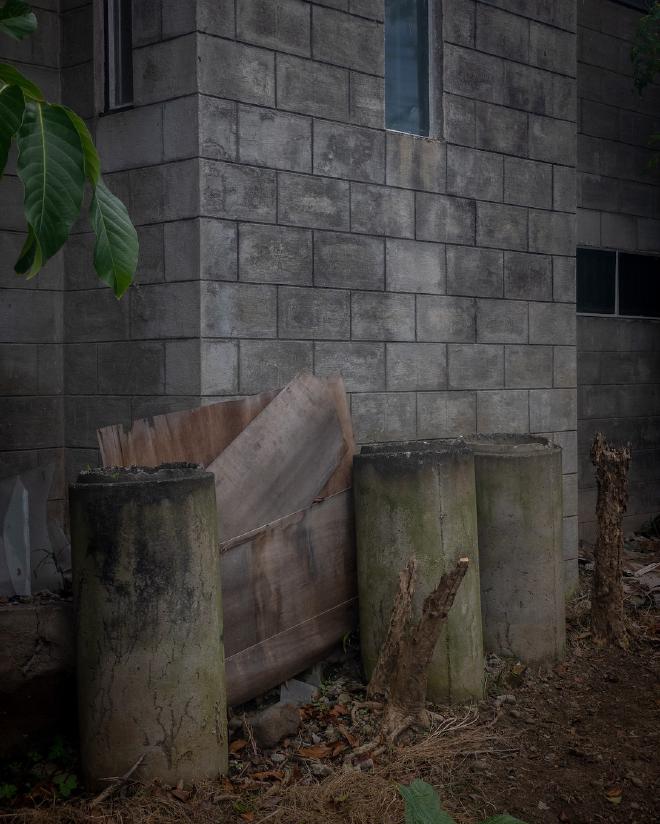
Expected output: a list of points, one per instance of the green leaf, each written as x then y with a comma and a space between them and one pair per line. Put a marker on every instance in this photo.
29, 261
12, 104
17, 19
9, 76
116, 249
92, 162
51, 168
504, 819
423, 805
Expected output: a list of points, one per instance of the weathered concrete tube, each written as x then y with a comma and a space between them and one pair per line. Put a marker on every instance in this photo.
519, 509
150, 663
417, 499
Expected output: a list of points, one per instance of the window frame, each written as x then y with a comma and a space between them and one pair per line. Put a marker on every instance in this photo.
616, 313
104, 75
435, 55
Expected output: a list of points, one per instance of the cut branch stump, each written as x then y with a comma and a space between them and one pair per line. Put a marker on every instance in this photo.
607, 616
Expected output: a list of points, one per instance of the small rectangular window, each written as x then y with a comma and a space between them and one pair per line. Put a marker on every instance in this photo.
639, 285
596, 281
118, 54
407, 66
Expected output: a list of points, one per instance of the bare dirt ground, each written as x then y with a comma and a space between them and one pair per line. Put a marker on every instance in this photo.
578, 743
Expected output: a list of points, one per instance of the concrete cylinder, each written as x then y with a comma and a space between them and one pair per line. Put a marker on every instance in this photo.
418, 499
519, 509
150, 663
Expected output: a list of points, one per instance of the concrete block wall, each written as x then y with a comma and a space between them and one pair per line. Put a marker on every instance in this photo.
31, 323
618, 208
436, 274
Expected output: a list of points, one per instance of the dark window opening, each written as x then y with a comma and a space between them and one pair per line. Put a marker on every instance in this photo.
118, 54
618, 283
407, 66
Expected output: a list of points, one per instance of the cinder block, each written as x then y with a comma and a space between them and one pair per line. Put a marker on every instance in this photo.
472, 173
648, 232
151, 265
597, 192
283, 25
349, 152
528, 89
527, 277
563, 279
473, 74
348, 261
311, 88
382, 316
500, 129
314, 313
50, 368
501, 33
460, 120
237, 192
459, 24
386, 416
381, 210
219, 367
552, 140
528, 367
446, 414
527, 183
568, 443
551, 233
475, 272
213, 16
200, 125
552, 410
570, 542
164, 70
552, 49
415, 162
274, 254
84, 415
269, 364
475, 366
318, 202
147, 407
94, 315
18, 369
415, 266
27, 316
166, 192
501, 226
146, 25
501, 321
275, 139
238, 310
236, 71
165, 310
203, 248
80, 369
348, 41
22, 423
445, 219
367, 98
620, 230
588, 228
131, 138
366, 8
72, 39
416, 366
552, 323
565, 369
505, 410
362, 365
131, 368
183, 367
563, 188
441, 318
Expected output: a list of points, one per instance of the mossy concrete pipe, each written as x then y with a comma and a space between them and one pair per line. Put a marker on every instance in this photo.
519, 509
418, 499
150, 665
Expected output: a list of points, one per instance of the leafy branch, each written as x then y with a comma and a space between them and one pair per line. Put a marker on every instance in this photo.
56, 159
645, 57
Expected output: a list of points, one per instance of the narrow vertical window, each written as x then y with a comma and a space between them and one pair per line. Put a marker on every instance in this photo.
118, 54
407, 66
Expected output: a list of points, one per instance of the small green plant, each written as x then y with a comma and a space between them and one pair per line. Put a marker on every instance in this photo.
56, 159
65, 784
8, 791
423, 807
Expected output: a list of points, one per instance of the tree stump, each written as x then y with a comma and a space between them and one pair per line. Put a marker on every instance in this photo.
612, 467
401, 672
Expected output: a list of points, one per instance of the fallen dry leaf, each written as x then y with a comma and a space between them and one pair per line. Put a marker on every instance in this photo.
352, 740
614, 795
339, 747
180, 794
237, 745
247, 816
337, 710
316, 752
268, 775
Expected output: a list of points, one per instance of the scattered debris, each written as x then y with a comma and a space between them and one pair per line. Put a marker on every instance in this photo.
273, 724
298, 693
